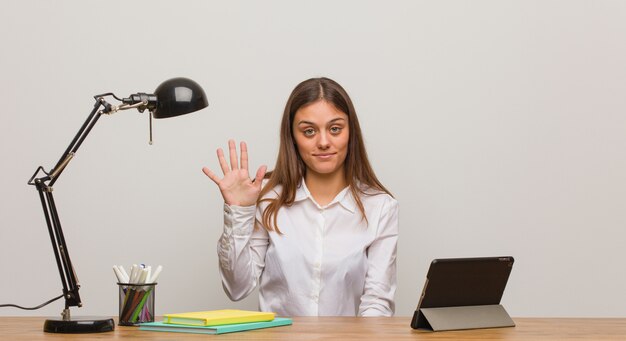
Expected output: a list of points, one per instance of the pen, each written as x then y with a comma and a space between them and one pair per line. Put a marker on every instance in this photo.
134, 274
122, 276
148, 274
123, 271
156, 274
142, 276
118, 274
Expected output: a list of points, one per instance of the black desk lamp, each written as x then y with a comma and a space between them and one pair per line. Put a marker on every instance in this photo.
174, 97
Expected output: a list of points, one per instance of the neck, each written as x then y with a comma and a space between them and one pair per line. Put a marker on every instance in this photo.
325, 187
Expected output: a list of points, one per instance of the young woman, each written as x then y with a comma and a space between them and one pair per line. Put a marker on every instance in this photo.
319, 235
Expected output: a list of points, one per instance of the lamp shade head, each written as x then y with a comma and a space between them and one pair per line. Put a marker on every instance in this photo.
179, 96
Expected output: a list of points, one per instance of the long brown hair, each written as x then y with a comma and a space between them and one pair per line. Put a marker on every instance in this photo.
290, 169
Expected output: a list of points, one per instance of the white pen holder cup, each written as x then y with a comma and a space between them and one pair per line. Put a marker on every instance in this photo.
136, 303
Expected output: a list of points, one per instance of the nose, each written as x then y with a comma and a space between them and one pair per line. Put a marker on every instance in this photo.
324, 142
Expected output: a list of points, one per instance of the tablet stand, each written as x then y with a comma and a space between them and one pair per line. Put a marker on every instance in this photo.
464, 317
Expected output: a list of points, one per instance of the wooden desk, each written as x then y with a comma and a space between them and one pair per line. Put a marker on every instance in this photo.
346, 328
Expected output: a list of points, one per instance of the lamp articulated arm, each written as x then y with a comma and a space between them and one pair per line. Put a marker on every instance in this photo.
43, 183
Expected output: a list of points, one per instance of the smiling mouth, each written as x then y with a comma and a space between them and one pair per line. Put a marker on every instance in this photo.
324, 156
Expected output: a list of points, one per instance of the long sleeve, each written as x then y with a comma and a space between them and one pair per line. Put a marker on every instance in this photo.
241, 251
380, 282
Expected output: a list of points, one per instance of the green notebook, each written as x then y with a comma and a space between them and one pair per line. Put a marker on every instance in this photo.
226, 328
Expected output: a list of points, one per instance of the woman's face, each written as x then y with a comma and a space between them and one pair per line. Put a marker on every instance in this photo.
321, 133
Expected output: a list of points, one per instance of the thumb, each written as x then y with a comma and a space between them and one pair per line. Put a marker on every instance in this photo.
210, 174
260, 174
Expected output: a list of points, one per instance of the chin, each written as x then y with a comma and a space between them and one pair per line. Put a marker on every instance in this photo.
325, 170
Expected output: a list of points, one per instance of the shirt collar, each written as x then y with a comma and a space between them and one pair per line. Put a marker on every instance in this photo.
344, 198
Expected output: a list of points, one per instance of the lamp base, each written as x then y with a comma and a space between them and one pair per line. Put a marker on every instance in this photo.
79, 325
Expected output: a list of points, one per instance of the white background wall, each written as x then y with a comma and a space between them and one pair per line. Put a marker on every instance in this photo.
500, 127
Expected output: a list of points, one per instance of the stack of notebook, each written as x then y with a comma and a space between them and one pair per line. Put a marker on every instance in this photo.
216, 322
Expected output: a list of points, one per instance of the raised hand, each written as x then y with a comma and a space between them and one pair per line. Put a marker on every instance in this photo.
236, 186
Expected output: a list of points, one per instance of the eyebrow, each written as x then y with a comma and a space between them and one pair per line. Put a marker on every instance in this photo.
329, 122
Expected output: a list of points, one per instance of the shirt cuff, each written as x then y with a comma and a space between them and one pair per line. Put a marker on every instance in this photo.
239, 220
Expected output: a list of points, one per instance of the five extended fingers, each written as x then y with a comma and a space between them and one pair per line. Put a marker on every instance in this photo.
232, 151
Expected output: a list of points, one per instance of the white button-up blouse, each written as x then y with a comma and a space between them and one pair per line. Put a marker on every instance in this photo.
328, 261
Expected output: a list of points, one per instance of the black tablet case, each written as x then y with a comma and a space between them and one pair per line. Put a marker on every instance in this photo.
464, 293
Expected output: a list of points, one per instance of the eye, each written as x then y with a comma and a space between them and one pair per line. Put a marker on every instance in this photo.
308, 132
335, 130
